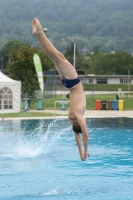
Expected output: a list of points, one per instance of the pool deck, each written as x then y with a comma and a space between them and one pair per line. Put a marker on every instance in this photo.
88, 114
95, 113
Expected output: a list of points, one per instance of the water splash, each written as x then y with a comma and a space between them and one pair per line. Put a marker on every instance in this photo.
51, 192
31, 143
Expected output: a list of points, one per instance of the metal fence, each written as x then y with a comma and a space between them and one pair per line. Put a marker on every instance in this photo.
50, 85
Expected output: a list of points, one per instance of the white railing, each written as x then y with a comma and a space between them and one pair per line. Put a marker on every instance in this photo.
62, 102
2, 110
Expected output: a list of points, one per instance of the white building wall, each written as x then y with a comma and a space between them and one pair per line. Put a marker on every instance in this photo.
91, 78
113, 80
94, 81
110, 80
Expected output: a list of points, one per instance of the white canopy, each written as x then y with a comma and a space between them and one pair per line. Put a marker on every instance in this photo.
10, 94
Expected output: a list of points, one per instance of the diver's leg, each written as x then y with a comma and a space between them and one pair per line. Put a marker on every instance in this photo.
63, 67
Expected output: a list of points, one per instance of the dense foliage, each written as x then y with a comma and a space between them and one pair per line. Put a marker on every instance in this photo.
21, 67
108, 64
104, 23
100, 63
16, 57
6, 50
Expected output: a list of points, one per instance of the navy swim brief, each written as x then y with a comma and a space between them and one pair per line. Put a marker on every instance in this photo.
69, 83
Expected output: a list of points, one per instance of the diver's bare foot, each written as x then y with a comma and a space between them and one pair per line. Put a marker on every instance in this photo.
36, 27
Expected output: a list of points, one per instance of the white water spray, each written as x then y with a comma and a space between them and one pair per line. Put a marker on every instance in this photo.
32, 144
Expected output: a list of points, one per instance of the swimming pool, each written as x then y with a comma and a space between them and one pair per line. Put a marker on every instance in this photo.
39, 160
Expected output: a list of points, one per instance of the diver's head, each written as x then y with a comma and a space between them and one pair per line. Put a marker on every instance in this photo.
77, 128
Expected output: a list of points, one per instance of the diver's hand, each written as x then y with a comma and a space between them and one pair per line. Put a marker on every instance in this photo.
84, 156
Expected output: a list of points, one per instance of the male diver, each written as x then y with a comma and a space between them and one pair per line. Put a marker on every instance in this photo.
70, 80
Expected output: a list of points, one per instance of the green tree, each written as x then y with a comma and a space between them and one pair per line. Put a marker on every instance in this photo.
79, 61
21, 67
96, 49
87, 64
98, 63
69, 50
117, 63
108, 24
6, 49
69, 53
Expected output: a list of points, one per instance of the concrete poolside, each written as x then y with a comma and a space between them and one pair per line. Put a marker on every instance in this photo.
94, 113
88, 114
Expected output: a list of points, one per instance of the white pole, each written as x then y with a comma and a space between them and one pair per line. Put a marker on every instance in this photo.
128, 82
74, 51
55, 108
74, 54
2, 110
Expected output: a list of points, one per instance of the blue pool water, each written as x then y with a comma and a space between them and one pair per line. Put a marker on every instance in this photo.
39, 160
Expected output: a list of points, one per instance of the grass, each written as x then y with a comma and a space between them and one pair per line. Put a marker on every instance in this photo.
27, 114
107, 87
91, 101
49, 105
